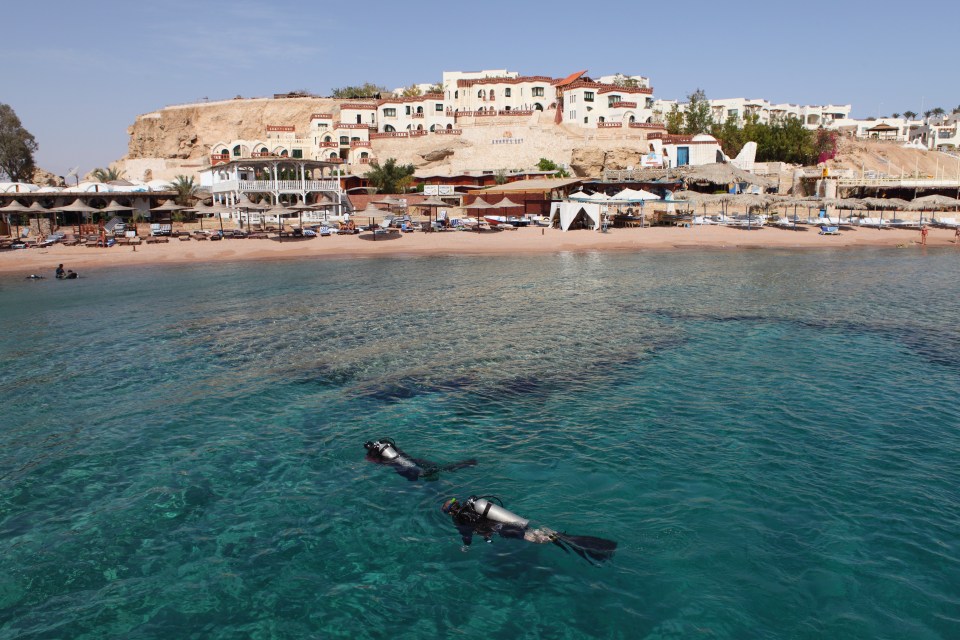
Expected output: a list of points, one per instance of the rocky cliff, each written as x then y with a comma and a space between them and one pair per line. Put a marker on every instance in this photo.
178, 140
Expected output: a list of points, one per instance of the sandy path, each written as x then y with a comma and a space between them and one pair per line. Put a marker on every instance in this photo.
516, 242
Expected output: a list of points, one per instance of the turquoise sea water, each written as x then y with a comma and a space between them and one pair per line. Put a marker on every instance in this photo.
772, 438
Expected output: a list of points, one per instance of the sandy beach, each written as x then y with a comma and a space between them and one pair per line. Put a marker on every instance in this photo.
523, 241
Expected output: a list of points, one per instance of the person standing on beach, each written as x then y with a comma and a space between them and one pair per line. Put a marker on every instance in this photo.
956, 236
923, 235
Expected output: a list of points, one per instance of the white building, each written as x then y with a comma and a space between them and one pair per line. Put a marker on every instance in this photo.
738, 109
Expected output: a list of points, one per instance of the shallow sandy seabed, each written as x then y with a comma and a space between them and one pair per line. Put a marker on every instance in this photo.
526, 241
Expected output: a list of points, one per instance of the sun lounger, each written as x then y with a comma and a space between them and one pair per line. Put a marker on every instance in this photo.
829, 231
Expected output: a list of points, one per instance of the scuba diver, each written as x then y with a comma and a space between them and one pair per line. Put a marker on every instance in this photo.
485, 516
386, 451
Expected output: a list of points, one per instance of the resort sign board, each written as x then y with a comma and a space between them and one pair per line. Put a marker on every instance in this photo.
438, 189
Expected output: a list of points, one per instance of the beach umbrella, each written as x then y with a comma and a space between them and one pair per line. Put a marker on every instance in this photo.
479, 205
433, 204
169, 207
300, 206
17, 208
79, 207
37, 209
932, 203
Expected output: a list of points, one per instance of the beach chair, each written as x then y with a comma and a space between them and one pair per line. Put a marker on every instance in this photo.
829, 231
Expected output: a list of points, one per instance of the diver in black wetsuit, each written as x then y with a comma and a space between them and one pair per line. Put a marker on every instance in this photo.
485, 516
386, 451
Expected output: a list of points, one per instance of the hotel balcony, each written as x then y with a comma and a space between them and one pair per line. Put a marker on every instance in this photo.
609, 125
359, 143
623, 105
282, 186
219, 158
333, 144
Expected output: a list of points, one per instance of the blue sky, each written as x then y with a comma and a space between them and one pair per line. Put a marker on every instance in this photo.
79, 73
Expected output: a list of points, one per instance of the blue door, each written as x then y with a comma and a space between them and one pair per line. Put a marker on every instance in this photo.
683, 156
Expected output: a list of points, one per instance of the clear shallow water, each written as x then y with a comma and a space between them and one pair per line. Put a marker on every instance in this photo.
771, 438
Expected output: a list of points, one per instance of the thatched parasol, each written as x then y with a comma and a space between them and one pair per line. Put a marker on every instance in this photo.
479, 205
932, 203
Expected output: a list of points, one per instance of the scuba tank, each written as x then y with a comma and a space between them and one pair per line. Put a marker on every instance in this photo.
387, 450
495, 512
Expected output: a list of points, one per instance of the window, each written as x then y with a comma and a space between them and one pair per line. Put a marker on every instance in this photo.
456, 94
613, 100
344, 140
572, 115
588, 96
298, 153
236, 150
649, 103
482, 94
390, 113
585, 120
573, 98
388, 128
438, 107
732, 113
538, 92
506, 93
407, 108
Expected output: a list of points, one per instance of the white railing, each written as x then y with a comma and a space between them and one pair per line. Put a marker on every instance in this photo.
279, 185
289, 185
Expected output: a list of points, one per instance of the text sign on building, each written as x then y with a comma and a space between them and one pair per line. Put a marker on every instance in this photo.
438, 189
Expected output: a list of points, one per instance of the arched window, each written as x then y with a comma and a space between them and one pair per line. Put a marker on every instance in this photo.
492, 94
223, 151
344, 140
236, 151
333, 154
632, 119
456, 94
433, 128
389, 128
449, 127
263, 149
482, 94
601, 119
283, 153
419, 109
327, 139
507, 93
419, 127
364, 155
538, 107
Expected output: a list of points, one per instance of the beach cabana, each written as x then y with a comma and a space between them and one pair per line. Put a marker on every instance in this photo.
933, 203
566, 213
79, 207
432, 204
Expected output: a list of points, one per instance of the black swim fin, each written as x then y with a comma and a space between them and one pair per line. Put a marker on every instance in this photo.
463, 464
587, 547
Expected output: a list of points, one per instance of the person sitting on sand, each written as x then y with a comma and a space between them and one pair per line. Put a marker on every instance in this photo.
71, 275
60, 272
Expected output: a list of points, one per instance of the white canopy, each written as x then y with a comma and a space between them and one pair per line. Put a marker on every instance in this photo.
582, 196
632, 195
567, 212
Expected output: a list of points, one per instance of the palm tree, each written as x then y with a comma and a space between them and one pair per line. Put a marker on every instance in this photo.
895, 116
938, 111
909, 115
106, 175
389, 177
185, 187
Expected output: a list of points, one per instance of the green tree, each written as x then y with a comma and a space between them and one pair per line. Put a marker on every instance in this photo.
500, 177
16, 147
389, 177
909, 115
437, 88
412, 91
550, 165
106, 175
366, 90
674, 120
697, 118
185, 188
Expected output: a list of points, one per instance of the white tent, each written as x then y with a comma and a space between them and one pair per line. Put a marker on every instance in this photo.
632, 195
567, 212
